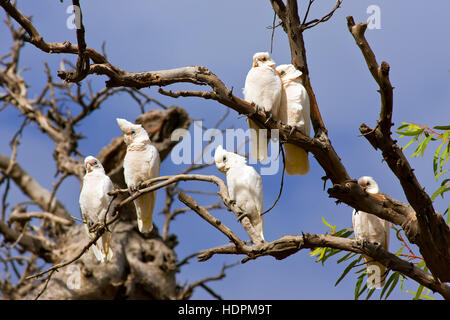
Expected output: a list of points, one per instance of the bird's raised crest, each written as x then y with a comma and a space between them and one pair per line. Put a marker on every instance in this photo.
133, 133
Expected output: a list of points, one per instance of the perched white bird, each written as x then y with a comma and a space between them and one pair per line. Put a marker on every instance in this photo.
94, 202
244, 185
141, 163
369, 227
262, 87
294, 111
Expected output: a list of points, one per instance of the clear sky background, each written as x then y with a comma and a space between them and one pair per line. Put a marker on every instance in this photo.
222, 36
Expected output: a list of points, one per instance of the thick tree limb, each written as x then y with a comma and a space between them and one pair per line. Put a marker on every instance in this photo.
99, 232
382, 206
191, 203
288, 245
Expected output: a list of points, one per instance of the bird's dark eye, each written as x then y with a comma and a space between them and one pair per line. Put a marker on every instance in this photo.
133, 132
368, 184
282, 73
95, 163
264, 59
224, 158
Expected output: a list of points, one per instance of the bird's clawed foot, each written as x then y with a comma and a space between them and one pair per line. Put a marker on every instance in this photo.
291, 131
93, 226
135, 188
269, 117
251, 114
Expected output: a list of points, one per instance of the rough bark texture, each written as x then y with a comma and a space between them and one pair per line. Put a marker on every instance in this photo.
140, 269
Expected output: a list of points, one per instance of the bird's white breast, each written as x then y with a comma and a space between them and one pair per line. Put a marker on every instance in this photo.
138, 164
263, 87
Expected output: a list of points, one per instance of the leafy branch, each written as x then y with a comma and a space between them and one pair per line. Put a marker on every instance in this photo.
355, 262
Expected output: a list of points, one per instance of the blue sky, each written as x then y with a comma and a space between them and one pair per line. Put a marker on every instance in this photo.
222, 36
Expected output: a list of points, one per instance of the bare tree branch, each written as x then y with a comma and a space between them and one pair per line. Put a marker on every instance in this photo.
34, 190
40, 215
187, 293
315, 22
28, 243
288, 245
83, 58
99, 232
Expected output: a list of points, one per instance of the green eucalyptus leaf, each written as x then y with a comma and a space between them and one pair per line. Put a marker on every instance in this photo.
436, 158
424, 144
418, 292
439, 192
442, 127
394, 283
371, 291
359, 292
386, 285
346, 257
409, 143
346, 270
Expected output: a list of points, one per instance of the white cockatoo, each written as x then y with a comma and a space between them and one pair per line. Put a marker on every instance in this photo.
94, 203
141, 163
244, 185
370, 228
263, 88
294, 111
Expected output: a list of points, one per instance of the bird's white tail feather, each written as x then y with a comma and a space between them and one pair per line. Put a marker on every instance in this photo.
258, 142
296, 160
96, 247
98, 253
144, 211
375, 273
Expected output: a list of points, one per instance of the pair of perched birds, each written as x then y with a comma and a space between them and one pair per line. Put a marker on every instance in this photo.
280, 93
141, 163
